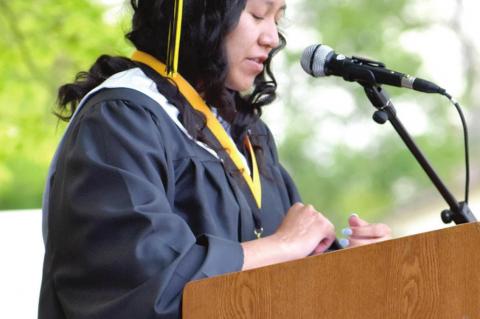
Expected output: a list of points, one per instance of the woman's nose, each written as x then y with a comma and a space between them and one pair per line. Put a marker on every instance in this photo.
269, 36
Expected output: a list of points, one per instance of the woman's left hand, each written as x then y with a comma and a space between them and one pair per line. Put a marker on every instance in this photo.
361, 232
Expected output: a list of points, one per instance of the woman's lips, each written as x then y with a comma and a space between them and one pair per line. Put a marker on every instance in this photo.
256, 64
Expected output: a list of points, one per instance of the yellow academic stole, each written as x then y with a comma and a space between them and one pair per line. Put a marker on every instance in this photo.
197, 102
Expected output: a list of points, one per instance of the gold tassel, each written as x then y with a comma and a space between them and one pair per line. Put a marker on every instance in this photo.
174, 36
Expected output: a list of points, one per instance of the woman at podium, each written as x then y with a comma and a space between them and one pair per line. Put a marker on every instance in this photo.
166, 172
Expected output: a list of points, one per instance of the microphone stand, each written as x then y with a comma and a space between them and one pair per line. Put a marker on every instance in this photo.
459, 212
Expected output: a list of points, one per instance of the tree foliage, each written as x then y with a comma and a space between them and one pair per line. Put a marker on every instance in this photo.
381, 176
43, 45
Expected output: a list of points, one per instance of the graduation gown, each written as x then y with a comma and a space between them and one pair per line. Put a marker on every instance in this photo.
135, 208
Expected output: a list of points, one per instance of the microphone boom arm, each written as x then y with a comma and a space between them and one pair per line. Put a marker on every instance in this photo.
459, 212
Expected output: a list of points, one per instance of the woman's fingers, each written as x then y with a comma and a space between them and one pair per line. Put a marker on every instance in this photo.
369, 231
361, 232
354, 220
304, 231
324, 244
361, 242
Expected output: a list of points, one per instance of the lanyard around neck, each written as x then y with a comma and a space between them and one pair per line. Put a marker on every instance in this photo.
197, 102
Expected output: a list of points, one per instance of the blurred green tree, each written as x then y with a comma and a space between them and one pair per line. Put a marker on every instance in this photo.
340, 159
43, 45
379, 175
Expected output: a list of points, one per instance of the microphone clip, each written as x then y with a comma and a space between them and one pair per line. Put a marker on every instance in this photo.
366, 61
357, 72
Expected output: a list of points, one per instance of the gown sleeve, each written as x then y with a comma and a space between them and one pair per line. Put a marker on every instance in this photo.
117, 248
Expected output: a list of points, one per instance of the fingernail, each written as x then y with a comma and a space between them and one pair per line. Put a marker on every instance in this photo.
354, 214
347, 231
344, 242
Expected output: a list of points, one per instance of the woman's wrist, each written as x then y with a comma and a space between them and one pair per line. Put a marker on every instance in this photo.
265, 251
285, 246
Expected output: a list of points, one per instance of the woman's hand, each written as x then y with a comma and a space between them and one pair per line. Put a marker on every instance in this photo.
361, 232
303, 232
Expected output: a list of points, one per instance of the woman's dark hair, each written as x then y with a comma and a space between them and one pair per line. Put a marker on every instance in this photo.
202, 61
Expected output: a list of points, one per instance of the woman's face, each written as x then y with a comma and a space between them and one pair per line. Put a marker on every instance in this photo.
250, 42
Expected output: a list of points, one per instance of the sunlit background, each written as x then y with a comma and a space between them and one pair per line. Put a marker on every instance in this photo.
342, 161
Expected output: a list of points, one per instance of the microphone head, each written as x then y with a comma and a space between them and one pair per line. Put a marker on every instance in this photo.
314, 58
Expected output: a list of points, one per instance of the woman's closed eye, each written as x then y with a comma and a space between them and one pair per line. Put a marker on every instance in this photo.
257, 17
278, 21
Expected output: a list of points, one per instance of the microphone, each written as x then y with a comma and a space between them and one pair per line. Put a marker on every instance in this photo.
320, 60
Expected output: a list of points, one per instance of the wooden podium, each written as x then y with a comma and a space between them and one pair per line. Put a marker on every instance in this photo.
430, 275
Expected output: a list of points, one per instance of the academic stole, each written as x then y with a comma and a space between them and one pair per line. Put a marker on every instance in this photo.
250, 185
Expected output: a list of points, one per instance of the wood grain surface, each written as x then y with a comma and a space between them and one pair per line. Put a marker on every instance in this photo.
430, 275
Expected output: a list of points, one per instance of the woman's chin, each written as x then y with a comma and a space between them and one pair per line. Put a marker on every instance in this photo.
244, 87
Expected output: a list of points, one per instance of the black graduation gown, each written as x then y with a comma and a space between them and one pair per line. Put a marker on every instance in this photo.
137, 209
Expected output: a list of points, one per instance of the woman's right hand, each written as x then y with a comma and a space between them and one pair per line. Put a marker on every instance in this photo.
304, 231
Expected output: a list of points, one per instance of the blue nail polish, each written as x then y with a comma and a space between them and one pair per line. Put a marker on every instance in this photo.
347, 231
344, 242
